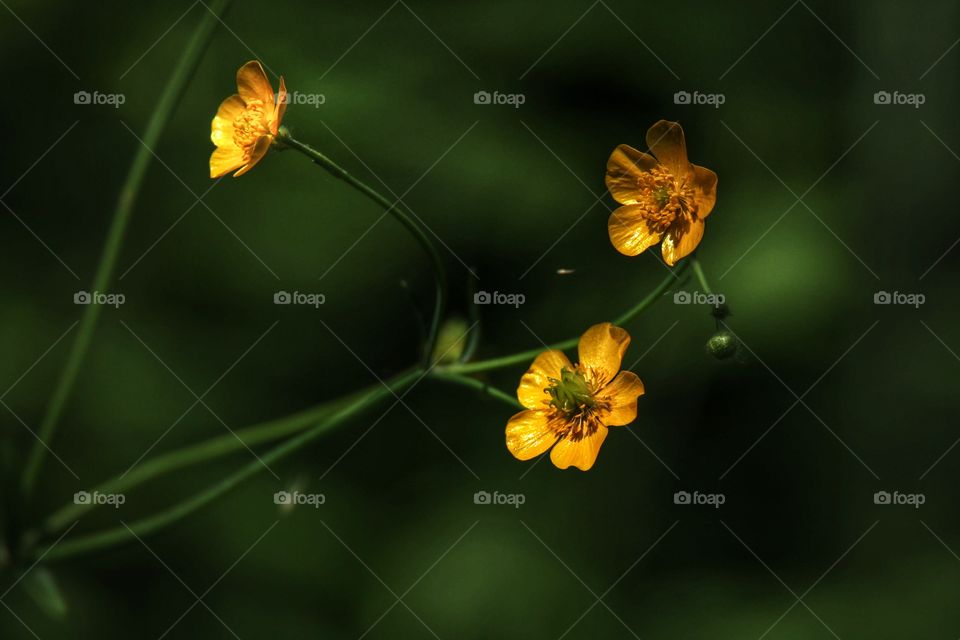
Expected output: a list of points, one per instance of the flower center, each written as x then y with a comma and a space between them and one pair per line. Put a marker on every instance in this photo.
665, 198
571, 392
574, 405
250, 125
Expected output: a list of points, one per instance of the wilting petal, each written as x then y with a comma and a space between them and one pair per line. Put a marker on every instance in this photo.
259, 150
704, 190
681, 240
547, 365
224, 160
580, 454
667, 143
529, 434
624, 165
221, 129
601, 350
629, 231
621, 395
253, 84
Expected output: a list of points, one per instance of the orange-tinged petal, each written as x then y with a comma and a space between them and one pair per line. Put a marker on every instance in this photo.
547, 365
529, 434
253, 84
704, 190
281, 107
259, 150
629, 230
580, 454
681, 240
622, 168
224, 160
601, 350
221, 129
621, 396
667, 143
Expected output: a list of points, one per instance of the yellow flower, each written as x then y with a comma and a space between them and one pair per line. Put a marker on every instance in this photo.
664, 197
572, 406
247, 122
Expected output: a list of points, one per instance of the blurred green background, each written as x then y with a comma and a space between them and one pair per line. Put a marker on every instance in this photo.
799, 549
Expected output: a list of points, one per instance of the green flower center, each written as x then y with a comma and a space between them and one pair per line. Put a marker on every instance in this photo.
570, 393
661, 195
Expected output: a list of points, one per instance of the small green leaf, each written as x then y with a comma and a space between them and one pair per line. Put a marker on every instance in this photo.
43, 590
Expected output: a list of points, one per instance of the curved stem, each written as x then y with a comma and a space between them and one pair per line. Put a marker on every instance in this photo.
151, 524
701, 276
528, 356
201, 452
406, 218
128, 195
479, 385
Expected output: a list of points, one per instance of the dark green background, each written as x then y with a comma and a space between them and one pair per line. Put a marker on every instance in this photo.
877, 418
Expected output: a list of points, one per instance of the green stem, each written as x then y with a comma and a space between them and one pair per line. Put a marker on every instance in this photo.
201, 452
128, 195
528, 356
409, 221
151, 524
701, 276
479, 385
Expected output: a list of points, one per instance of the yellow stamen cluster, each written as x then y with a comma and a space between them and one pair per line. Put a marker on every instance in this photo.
665, 199
250, 125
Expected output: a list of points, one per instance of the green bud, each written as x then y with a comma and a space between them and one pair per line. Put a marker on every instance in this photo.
723, 345
451, 341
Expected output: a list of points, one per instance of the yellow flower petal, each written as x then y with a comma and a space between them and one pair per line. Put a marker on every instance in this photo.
529, 434
259, 150
221, 129
580, 454
704, 190
681, 240
224, 160
281, 107
621, 395
622, 168
547, 365
667, 143
601, 351
629, 231
253, 84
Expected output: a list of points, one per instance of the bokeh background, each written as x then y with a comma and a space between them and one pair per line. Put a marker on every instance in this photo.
831, 399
